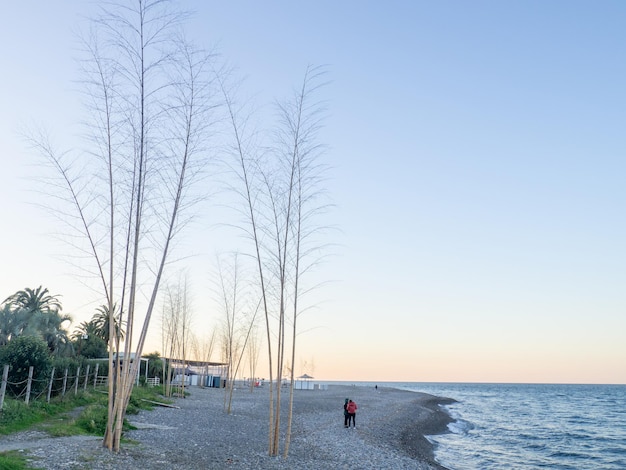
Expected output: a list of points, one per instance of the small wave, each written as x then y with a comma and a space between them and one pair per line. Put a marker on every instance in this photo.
535, 446
460, 426
574, 455
578, 436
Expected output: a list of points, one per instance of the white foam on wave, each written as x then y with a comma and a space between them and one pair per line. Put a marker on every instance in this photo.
460, 426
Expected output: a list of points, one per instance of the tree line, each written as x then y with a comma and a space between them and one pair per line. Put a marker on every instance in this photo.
37, 313
35, 332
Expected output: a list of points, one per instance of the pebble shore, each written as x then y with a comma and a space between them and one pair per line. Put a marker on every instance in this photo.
390, 429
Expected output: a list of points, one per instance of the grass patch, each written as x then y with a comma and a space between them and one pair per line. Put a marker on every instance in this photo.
17, 416
93, 419
85, 413
140, 394
14, 460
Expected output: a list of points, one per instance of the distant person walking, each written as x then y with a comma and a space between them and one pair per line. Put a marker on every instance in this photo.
351, 409
346, 415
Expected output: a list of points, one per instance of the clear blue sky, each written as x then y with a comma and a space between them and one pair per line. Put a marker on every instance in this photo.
478, 172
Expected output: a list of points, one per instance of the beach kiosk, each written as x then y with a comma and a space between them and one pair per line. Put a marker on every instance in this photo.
304, 382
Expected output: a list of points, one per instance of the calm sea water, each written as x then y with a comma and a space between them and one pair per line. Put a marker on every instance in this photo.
524, 427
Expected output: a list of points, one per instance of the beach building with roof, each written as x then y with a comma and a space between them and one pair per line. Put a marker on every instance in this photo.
201, 373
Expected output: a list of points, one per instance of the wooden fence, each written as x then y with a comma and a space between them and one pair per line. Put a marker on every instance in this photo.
70, 383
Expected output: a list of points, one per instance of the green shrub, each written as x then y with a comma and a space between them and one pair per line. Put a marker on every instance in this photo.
93, 419
62, 363
21, 353
91, 348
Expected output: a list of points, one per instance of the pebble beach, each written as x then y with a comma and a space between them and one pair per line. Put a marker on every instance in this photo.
391, 426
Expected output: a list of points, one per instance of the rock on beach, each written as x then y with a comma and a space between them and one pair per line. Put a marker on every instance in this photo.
391, 426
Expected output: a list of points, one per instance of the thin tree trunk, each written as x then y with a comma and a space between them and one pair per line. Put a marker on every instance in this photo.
255, 236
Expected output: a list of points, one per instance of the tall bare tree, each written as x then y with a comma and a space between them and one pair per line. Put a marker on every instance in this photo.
238, 321
301, 119
254, 349
177, 316
281, 191
149, 99
203, 347
245, 167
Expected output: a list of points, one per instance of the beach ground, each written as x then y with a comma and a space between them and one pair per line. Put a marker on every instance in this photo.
391, 426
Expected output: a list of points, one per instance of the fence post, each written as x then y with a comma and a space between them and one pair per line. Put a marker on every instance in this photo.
3, 387
95, 375
50, 385
64, 383
29, 383
86, 378
76, 381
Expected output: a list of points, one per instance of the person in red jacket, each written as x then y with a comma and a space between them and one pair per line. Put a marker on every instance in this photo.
351, 409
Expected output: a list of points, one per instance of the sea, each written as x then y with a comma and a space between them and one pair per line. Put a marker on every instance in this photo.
530, 426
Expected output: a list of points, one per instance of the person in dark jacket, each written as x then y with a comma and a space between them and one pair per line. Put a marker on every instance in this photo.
351, 409
346, 415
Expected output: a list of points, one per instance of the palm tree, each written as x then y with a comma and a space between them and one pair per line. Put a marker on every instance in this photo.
50, 326
14, 323
101, 323
34, 312
87, 342
84, 330
34, 300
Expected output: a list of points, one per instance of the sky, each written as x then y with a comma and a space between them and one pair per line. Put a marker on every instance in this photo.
477, 175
